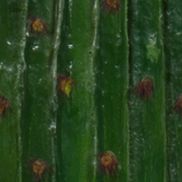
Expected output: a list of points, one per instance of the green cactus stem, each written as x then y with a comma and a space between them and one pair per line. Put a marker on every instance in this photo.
173, 40
77, 121
147, 116
12, 36
112, 88
39, 117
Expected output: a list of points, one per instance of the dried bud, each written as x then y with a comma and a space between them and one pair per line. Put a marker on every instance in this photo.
111, 5
4, 105
39, 167
145, 88
178, 105
108, 162
65, 85
38, 26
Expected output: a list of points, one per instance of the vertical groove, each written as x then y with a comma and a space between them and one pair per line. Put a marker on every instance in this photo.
163, 82
167, 76
170, 137
23, 45
61, 65
131, 82
58, 17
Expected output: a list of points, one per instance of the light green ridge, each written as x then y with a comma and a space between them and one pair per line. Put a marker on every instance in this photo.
147, 117
112, 88
12, 36
173, 41
39, 118
77, 120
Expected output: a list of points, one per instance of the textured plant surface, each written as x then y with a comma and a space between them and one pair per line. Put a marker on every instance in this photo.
90, 91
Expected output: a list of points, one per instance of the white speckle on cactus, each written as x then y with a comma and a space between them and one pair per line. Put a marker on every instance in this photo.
52, 127
70, 46
27, 34
8, 42
34, 48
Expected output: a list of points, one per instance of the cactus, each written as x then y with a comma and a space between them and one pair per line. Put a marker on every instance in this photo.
147, 125
173, 91
12, 35
90, 91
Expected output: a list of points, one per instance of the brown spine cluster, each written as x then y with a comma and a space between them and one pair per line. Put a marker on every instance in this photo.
37, 25
145, 88
39, 167
178, 105
65, 85
4, 105
108, 162
111, 5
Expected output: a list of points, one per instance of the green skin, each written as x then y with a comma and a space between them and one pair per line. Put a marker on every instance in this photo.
112, 87
77, 122
95, 118
82, 117
173, 41
147, 116
12, 36
38, 114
